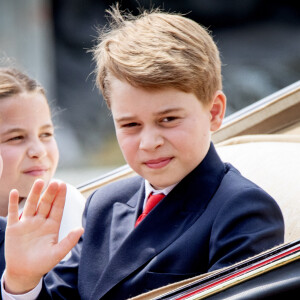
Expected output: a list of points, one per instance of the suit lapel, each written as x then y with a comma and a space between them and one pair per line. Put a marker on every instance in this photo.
2, 229
164, 224
2, 235
123, 220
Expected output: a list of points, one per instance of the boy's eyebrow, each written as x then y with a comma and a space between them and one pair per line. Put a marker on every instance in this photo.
159, 113
124, 119
169, 110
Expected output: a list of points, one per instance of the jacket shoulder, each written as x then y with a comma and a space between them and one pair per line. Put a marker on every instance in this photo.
120, 190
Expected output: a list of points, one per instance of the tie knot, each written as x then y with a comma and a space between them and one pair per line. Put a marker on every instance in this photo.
152, 201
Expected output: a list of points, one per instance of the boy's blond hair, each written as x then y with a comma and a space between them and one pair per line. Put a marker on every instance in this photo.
158, 50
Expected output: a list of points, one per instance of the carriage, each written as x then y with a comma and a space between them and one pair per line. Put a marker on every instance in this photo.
267, 132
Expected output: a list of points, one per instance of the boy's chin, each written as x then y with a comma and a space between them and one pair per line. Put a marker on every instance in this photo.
157, 187
160, 185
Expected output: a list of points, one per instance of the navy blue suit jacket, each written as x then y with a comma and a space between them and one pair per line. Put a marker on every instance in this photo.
213, 218
2, 236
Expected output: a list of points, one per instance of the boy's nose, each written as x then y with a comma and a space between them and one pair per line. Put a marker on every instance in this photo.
150, 140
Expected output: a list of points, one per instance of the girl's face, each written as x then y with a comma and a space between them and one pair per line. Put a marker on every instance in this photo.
28, 147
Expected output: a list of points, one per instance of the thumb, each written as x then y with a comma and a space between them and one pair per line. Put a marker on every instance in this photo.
67, 243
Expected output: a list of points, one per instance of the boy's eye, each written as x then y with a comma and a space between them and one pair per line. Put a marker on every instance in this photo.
169, 119
129, 125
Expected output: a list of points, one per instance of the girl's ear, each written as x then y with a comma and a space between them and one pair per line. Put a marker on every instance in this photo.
217, 110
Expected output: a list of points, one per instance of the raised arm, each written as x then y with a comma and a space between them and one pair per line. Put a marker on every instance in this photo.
31, 242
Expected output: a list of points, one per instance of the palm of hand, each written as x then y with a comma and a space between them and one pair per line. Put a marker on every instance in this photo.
31, 243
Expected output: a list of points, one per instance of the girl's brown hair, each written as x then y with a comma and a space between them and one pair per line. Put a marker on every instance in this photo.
13, 82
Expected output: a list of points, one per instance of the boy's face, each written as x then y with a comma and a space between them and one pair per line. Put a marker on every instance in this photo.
163, 134
28, 147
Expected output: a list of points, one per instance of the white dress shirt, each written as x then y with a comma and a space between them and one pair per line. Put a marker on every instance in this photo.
149, 189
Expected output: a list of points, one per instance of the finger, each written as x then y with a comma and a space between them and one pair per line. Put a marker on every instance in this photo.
13, 208
66, 244
33, 198
45, 204
58, 205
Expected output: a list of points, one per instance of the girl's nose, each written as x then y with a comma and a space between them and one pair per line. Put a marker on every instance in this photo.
36, 150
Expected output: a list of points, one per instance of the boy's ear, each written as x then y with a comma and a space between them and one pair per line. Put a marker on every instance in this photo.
217, 110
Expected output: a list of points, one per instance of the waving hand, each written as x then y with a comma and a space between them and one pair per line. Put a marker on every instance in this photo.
31, 241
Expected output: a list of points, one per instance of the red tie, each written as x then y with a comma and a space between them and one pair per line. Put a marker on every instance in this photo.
151, 202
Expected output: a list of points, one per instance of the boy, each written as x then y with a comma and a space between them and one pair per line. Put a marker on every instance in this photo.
161, 76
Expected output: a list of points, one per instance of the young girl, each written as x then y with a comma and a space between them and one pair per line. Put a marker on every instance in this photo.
28, 146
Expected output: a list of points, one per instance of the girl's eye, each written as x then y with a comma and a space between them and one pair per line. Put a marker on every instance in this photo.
47, 134
15, 138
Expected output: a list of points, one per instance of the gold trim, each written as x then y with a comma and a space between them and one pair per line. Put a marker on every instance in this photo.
249, 275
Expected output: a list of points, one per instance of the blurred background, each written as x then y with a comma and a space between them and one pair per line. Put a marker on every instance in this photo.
259, 41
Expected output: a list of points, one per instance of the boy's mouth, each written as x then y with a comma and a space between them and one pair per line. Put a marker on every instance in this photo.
158, 163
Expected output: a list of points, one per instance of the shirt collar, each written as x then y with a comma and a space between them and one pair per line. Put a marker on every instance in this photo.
149, 189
